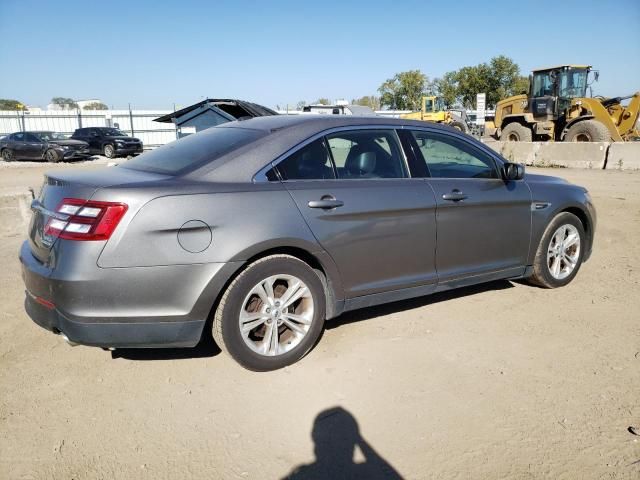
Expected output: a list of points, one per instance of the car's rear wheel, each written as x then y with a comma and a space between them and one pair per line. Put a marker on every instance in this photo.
7, 155
560, 253
272, 314
52, 156
109, 151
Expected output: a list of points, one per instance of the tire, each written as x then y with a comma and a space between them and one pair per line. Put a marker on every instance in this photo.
516, 132
459, 126
587, 131
52, 156
544, 262
251, 349
109, 151
7, 155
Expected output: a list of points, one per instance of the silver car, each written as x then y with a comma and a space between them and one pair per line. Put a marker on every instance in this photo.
261, 230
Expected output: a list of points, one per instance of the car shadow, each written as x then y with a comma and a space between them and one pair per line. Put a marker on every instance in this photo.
207, 347
409, 304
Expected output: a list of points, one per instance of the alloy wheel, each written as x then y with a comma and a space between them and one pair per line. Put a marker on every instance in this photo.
276, 315
563, 251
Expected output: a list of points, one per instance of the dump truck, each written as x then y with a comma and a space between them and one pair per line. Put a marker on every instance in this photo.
557, 108
433, 110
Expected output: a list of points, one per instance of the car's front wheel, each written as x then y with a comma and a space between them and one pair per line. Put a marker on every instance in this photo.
109, 151
559, 255
271, 314
52, 156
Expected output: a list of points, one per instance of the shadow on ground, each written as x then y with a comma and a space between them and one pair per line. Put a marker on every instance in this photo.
208, 348
336, 436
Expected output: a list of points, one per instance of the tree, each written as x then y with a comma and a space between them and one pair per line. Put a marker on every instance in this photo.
301, 104
8, 104
370, 101
446, 88
322, 101
499, 79
404, 91
64, 102
95, 106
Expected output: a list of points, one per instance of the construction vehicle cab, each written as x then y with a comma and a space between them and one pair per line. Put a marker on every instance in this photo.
557, 108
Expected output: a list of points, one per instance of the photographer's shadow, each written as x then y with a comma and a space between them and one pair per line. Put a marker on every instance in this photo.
336, 435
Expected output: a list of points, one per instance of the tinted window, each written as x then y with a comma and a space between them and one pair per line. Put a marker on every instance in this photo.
194, 151
450, 157
309, 163
367, 154
18, 137
30, 137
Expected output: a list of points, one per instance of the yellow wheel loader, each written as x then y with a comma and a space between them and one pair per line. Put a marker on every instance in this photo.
433, 110
558, 109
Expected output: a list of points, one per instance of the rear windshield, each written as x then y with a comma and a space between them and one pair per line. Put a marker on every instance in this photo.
193, 151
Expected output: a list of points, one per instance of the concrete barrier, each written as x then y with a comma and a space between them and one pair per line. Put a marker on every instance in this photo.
624, 156
553, 154
15, 214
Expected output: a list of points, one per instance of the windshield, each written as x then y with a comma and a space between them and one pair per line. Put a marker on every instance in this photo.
572, 84
48, 136
113, 132
193, 151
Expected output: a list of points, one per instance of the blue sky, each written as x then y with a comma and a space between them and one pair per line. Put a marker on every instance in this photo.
153, 54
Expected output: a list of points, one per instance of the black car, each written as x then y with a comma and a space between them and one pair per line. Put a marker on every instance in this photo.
50, 146
108, 141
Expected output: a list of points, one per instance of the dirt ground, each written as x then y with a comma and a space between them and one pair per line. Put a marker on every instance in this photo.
498, 381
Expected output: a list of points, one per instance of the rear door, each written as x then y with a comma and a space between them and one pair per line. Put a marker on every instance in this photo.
19, 146
378, 224
484, 222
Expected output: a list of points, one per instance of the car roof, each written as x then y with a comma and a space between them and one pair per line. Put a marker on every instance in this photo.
283, 133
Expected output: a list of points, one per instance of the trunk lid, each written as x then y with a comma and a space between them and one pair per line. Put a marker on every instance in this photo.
72, 184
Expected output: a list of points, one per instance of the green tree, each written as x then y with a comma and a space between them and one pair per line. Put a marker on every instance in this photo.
370, 101
95, 106
8, 104
404, 91
322, 101
446, 87
521, 85
64, 102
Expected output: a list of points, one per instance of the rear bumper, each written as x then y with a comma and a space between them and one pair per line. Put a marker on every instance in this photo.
115, 334
165, 306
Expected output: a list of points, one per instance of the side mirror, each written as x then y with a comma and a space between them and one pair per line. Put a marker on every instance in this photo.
513, 171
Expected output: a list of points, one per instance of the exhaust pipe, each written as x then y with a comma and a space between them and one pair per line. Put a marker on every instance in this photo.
66, 339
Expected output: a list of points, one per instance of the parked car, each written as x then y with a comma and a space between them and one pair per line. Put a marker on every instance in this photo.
108, 141
270, 226
50, 146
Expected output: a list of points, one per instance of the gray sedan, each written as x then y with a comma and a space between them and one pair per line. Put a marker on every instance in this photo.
261, 230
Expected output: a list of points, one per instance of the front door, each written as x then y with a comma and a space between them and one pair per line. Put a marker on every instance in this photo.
484, 223
378, 225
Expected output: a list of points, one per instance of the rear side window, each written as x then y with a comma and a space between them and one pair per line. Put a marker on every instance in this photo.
309, 163
194, 151
367, 154
449, 157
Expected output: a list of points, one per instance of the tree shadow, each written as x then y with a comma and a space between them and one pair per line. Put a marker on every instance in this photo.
336, 435
204, 349
409, 304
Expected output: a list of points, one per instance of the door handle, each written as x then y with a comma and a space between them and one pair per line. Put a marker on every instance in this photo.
455, 196
326, 202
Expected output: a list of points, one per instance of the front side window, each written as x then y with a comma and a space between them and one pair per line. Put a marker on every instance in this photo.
449, 157
311, 162
18, 137
366, 154
573, 84
30, 137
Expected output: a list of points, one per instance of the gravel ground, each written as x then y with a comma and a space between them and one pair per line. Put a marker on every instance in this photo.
498, 381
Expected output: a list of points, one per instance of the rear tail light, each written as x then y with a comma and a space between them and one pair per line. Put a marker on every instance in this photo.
86, 219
